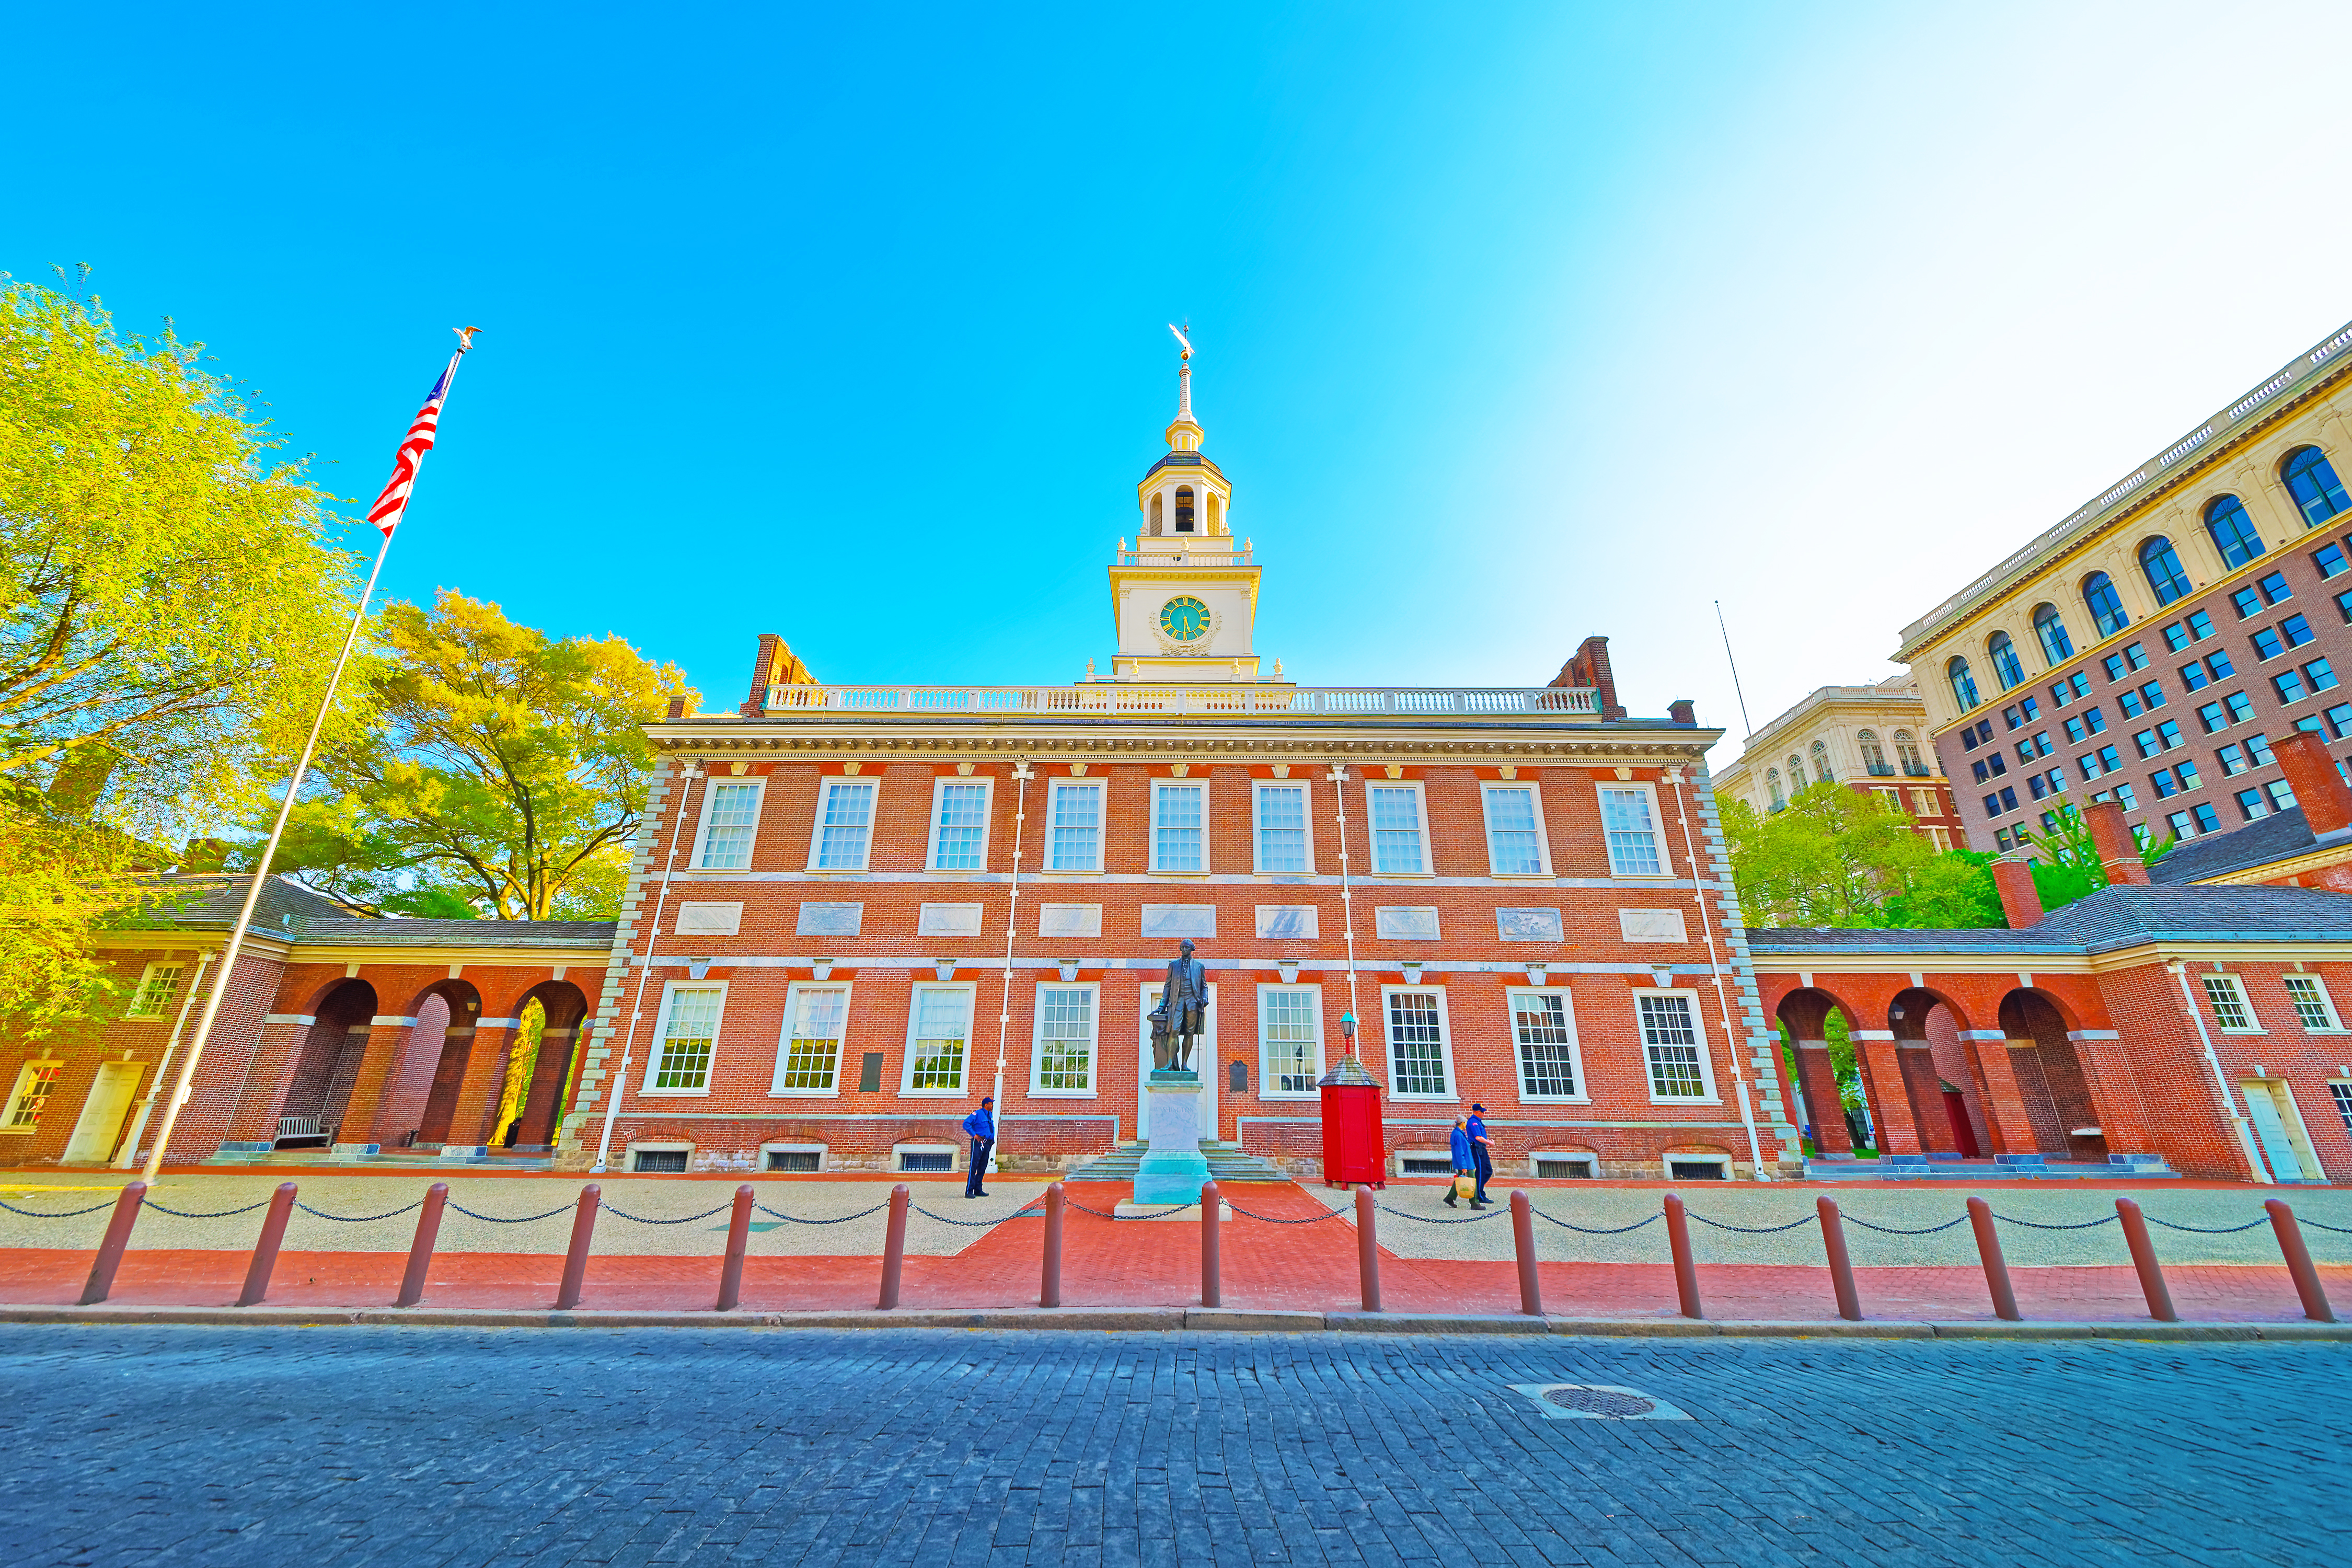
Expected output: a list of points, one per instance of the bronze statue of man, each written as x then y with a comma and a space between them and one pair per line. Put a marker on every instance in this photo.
1182, 1016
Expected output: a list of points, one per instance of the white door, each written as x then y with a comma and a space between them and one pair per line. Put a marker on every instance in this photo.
102, 1114
1204, 1062
2276, 1132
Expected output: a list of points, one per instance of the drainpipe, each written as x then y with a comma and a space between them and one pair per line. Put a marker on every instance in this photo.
1012, 929
2255, 1166
620, 1084
130, 1155
1339, 777
1714, 965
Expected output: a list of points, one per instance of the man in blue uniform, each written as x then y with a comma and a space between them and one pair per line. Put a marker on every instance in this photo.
980, 1128
1482, 1152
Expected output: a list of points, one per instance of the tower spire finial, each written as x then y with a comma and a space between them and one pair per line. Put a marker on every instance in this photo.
1183, 432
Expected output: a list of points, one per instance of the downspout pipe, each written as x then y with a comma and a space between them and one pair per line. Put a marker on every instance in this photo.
1715, 967
620, 1084
2255, 1166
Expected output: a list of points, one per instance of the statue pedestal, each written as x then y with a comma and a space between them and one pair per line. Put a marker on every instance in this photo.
1173, 1168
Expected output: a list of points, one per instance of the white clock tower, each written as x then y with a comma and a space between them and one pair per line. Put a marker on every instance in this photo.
1185, 598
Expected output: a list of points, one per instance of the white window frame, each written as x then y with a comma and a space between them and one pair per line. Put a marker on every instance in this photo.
2254, 1024
1583, 1095
1157, 785
1658, 820
1307, 821
959, 1155
914, 1020
657, 1146
146, 978
654, 1048
1266, 1076
1102, 824
710, 789
824, 1153
27, 1075
987, 821
1371, 831
1453, 1095
1037, 1042
2335, 1025
1705, 1049
824, 788
1486, 791
784, 1040
1584, 1157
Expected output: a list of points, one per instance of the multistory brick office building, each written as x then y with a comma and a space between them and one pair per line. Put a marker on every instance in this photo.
854, 909
2152, 647
1870, 738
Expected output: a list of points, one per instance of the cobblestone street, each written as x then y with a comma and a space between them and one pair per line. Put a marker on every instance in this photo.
424, 1447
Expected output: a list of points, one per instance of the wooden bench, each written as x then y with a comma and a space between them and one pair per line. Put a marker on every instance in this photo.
296, 1130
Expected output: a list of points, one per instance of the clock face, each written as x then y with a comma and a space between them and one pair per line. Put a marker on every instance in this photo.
1184, 618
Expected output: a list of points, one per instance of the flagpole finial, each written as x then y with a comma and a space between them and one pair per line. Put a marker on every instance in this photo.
464, 337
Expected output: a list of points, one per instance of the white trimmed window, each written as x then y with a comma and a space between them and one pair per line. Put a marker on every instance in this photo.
1063, 1062
1629, 820
684, 1037
808, 1058
730, 818
1672, 1047
1514, 835
1400, 848
845, 825
1284, 847
1074, 826
1290, 1041
959, 824
157, 986
939, 1038
2230, 1008
1180, 826
35, 1082
1420, 1062
1543, 1027
2313, 1008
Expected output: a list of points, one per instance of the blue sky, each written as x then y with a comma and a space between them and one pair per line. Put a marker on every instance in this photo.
1517, 323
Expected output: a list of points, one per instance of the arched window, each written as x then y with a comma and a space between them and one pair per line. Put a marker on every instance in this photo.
2161, 563
2107, 609
2232, 530
2311, 479
1185, 508
2006, 667
1155, 514
1796, 774
1907, 752
1772, 782
1874, 756
1821, 762
2056, 645
1963, 685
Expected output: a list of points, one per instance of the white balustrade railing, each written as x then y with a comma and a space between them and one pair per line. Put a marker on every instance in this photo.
1154, 700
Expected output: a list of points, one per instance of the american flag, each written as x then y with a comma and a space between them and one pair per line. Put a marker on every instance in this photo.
389, 506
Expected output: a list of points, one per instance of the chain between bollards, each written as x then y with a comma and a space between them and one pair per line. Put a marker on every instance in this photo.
738, 1241
2143, 1257
1523, 1245
894, 1245
1996, 1268
265, 1249
1685, 1266
1049, 1287
2298, 1262
420, 1251
109, 1251
575, 1260
1849, 1299
1368, 1249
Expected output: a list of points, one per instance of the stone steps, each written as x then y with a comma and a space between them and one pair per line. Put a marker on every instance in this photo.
1227, 1163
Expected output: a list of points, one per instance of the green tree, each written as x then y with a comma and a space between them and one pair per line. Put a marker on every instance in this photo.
507, 778
2066, 864
1838, 858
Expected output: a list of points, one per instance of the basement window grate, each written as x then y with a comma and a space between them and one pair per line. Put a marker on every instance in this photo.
792, 1159
1424, 1165
1555, 1169
912, 1161
670, 1162
1699, 1171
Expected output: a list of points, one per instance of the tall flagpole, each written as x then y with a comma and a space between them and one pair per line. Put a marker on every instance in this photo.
237, 932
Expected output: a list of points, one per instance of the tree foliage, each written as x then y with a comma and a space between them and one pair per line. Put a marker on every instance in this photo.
1838, 858
507, 777
2066, 864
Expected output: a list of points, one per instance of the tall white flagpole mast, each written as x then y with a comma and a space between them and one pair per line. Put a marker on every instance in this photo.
237, 932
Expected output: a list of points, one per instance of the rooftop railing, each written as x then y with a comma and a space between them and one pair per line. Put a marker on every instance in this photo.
1105, 699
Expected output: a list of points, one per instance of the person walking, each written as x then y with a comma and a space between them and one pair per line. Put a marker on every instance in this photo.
1482, 1153
980, 1128
1462, 1161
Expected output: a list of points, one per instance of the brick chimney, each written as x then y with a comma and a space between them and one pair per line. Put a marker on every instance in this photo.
1589, 666
2118, 850
2021, 900
2319, 789
1682, 710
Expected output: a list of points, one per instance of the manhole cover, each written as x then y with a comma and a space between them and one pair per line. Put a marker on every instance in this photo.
1609, 1402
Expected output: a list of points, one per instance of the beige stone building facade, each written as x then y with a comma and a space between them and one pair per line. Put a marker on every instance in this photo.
1870, 738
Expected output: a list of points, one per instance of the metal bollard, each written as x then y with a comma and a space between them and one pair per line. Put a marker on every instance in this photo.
265, 1250
1368, 1251
575, 1262
1849, 1299
1996, 1269
1523, 1243
1685, 1266
894, 1247
739, 1239
1211, 1266
110, 1250
2143, 1256
420, 1251
2298, 1262
1049, 1287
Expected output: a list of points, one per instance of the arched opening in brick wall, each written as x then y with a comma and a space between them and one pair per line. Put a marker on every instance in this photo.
544, 1062
2051, 1102
1823, 1068
328, 1064
429, 1072
1938, 1075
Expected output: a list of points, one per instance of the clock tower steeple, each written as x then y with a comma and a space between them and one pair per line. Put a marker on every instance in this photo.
1184, 600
